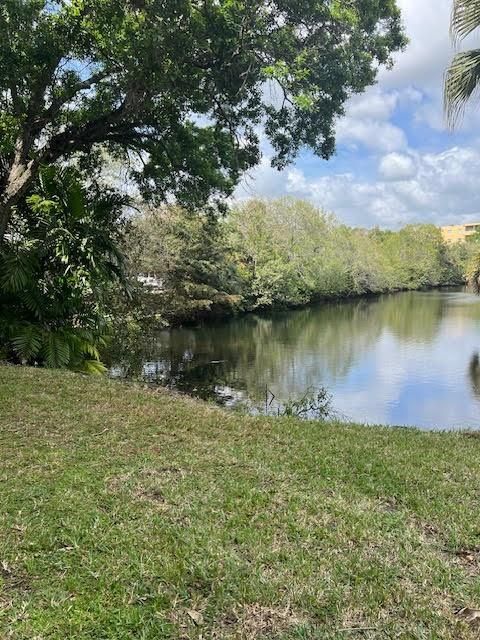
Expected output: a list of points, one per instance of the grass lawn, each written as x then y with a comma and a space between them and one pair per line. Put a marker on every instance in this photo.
131, 514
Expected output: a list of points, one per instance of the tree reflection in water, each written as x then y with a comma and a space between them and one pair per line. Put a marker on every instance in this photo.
289, 352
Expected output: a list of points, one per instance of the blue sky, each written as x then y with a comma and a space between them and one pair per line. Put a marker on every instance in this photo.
396, 162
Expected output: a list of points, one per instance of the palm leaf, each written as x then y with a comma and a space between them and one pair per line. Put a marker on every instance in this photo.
18, 270
92, 367
33, 300
462, 80
28, 342
465, 18
76, 200
57, 350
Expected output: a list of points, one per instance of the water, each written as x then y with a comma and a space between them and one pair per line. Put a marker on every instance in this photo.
403, 359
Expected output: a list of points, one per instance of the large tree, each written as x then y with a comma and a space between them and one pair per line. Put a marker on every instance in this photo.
179, 88
462, 79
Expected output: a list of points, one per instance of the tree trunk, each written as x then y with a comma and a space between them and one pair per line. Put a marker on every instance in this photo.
19, 179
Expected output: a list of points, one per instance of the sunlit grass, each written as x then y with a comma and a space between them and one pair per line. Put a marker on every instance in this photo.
131, 514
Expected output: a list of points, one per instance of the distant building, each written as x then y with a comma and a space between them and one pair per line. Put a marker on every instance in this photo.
459, 232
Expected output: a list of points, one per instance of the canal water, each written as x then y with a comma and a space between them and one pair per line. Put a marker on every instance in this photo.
402, 359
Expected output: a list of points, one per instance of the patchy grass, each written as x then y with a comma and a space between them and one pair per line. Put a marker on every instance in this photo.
130, 514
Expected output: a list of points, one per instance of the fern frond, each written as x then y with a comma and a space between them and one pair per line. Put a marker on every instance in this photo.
92, 367
18, 270
32, 299
56, 350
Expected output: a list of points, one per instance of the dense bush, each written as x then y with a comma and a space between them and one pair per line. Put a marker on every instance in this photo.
189, 257
299, 253
57, 269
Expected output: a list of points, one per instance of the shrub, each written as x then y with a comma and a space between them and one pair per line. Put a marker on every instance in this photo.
56, 268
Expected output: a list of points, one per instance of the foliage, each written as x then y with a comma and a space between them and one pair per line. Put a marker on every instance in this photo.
313, 404
179, 88
279, 253
189, 257
279, 244
473, 271
55, 272
462, 79
296, 253
471, 251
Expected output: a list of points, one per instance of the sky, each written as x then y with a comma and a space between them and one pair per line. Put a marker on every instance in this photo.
396, 161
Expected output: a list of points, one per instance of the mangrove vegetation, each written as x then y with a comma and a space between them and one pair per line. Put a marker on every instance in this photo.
280, 253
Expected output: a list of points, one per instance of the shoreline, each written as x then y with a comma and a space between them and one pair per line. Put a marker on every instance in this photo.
212, 318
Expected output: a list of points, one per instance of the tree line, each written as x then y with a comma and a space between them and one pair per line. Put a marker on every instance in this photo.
279, 253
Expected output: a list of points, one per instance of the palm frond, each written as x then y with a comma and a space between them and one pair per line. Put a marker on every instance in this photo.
465, 18
92, 367
28, 342
462, 80
76, 200
18, 269
57, 350
33, 300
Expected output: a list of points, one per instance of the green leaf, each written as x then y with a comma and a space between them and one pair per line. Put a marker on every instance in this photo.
462, 80
93, 367
56, 350
28, 342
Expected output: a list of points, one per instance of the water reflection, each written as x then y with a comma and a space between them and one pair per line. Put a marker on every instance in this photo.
398, 359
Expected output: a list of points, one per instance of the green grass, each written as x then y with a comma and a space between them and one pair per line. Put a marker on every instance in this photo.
131, 514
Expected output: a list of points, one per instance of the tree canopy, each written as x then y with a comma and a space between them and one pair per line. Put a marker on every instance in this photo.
278, 254
180, 89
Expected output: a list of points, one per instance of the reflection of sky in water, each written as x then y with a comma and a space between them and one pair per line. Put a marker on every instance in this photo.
411, 382
414, 383
401, 360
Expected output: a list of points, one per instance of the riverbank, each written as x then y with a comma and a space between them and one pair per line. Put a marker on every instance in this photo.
132, 514
280, 254
218, 315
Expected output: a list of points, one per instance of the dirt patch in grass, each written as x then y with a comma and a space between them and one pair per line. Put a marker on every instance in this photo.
470, 617
147, 484
253, 621
468, 559
475, 435
13, 579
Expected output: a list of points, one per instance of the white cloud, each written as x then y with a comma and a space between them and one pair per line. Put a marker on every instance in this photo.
432, 187
423, 62
375, 104
417, 180
376, 136
397, 166
263, 181
366, 122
